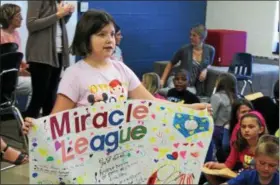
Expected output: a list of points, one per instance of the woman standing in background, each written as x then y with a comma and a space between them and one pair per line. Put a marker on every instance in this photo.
47, 51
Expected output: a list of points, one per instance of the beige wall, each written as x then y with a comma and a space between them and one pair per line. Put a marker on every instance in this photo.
258, 18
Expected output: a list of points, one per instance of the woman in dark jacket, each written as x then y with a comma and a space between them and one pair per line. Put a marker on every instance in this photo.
46, 51
194, 57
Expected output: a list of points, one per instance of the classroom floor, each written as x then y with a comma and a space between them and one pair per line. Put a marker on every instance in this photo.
16, 175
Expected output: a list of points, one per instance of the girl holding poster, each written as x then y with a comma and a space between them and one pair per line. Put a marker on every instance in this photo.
98, 78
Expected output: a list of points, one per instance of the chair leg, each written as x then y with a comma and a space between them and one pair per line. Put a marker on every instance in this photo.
244, 87
20, 123
8, 167
214, 90
251, 85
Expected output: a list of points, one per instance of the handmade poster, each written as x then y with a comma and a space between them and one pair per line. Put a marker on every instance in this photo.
225, 172
133, 142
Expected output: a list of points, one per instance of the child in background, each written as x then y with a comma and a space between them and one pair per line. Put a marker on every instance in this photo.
269, 107
180, 92
117, 54
239, 108
253, 126
151, 82
266, 164
224, 96
97, 77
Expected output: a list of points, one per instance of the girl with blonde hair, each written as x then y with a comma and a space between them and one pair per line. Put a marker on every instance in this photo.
151, 82
266, 164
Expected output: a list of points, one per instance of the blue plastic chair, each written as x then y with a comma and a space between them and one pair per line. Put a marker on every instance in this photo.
241, 68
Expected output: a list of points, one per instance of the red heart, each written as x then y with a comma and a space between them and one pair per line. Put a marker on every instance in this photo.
186, 144
195, 154
176, 145
175, 155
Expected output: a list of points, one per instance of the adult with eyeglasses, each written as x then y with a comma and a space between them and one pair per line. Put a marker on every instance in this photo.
11, 19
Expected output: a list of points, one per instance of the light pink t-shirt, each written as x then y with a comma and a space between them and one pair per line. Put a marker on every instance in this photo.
10, 37
86, 85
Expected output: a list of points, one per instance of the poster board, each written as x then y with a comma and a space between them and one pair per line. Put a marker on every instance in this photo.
143, 142
225, 172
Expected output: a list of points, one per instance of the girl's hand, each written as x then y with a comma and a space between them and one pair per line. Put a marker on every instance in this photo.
202, 106
28, 123
210, 165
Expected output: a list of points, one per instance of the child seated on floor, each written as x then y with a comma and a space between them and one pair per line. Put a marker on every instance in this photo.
151, 81
252, 127
180, 92
239, 108
266, 164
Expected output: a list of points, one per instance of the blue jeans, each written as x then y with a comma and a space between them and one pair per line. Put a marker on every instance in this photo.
226, 141
217, 138
209, 155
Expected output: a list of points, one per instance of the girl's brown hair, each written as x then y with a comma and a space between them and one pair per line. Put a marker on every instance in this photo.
234, 109
151, 82
91, 22
228, 83
241, 143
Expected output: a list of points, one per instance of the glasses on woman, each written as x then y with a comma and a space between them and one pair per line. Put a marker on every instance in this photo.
17, 16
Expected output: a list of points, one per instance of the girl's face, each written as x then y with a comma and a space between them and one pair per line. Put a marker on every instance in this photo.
243, 109
118, 37
250, 128
16, 20
103, 43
